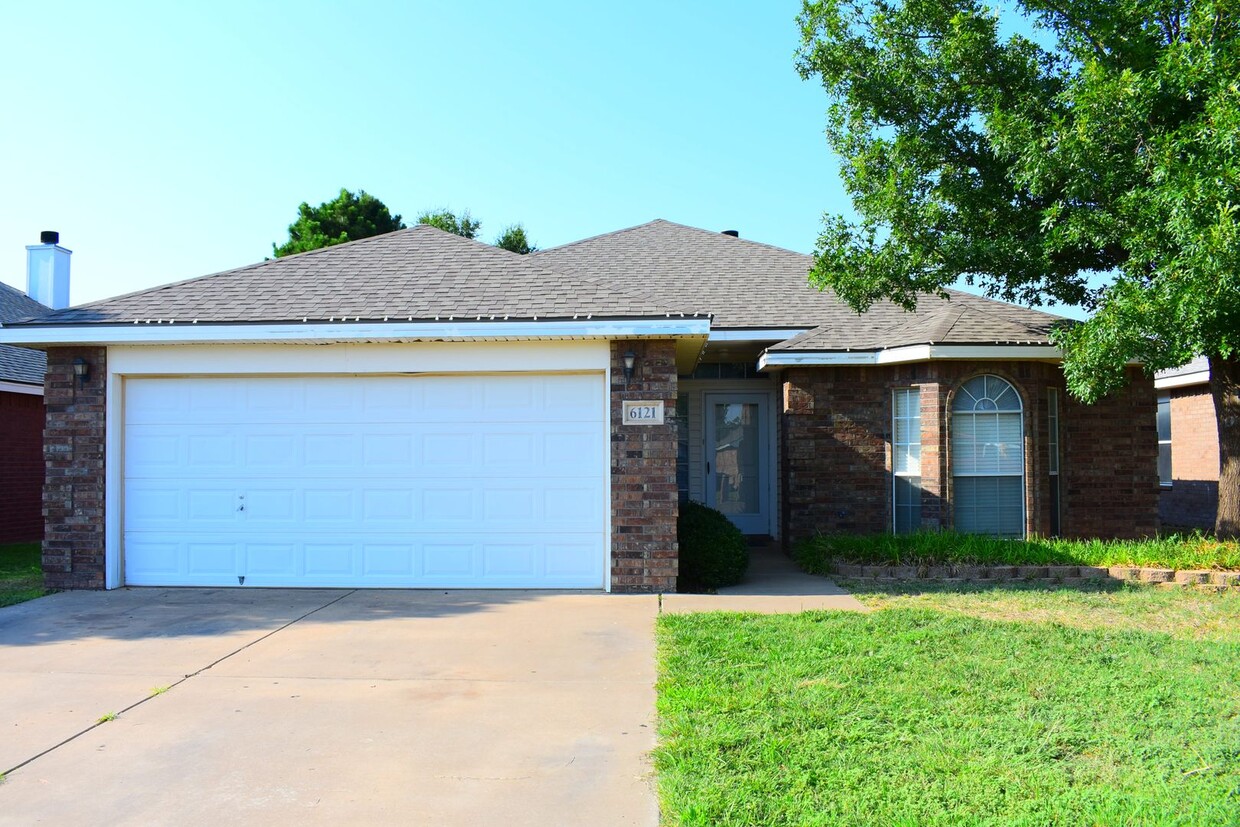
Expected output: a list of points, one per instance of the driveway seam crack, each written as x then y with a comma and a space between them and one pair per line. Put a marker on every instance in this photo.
176, 683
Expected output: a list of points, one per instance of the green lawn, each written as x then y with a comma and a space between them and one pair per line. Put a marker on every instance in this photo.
1118, 705
21, 573
937, 548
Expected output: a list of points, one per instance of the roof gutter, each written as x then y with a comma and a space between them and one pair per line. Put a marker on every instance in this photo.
1197, 377
185, 333
902, 355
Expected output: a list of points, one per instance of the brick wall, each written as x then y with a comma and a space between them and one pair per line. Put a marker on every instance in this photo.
73, 494
833, 450
644, 499
835, 447
1192, 499
21, 467
1111, 463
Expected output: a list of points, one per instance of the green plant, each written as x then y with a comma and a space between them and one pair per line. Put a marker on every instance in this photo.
110, 716
713, 552
21, 573
994, 707
936, 548
159, 690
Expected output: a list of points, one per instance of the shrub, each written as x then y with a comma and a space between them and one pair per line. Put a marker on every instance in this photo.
937, 548
713, 552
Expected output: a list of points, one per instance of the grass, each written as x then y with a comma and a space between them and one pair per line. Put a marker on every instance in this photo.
1194, 551
1117, 705
21, 573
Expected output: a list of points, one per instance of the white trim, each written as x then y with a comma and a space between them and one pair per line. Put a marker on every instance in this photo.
608, 539
1197, 377
359, 358
189, 332
910, 353
113, 485
776, 334
21, 387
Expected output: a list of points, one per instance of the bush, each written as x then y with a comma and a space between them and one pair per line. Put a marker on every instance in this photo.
713, 552
939, 548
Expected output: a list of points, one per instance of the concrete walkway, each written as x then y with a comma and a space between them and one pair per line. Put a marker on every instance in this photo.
283, 706
328, 707
773, 585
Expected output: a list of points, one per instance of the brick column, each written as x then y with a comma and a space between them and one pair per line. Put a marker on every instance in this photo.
73, 450
934, 447
644, 498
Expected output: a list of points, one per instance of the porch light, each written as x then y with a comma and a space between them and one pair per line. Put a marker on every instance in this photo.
630, 362
81, 369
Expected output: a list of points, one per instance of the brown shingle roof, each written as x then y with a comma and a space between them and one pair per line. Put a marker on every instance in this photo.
420, 273
746, 284
19, 364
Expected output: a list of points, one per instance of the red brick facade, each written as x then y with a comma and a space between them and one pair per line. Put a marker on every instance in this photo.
836, 456
1192, 499
644, 498
73, 494
21, 467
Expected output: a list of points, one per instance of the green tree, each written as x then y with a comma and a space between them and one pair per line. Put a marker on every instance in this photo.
349, 217
448, 221
1107, 140
514, 240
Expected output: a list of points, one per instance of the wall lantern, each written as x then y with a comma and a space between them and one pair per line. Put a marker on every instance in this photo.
81, 369
630, 362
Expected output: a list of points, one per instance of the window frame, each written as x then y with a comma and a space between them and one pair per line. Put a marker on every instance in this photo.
1164, 398
910, 478
1022, 475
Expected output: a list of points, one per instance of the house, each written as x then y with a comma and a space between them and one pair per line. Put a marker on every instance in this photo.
419, 409
21, 398
1188, 452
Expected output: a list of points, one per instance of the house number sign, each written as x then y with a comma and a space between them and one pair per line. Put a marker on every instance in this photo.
642, 412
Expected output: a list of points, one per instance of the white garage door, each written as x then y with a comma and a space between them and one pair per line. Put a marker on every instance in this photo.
396, 481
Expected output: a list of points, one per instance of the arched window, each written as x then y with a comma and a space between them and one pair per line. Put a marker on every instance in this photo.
988, 458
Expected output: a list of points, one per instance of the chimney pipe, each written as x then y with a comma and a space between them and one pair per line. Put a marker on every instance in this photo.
733, 233
47, 271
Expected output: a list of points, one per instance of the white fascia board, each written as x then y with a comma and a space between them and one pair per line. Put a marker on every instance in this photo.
911, 353
771, 334
1197, 377
21, 387
171, 333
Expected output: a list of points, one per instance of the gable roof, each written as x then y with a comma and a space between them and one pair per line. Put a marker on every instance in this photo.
19, 364
746, 284
419, 274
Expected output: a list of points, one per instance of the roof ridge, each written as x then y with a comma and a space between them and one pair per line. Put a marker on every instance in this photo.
600, 235
992, 306
705, 232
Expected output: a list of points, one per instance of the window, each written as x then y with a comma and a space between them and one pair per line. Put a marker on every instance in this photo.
988, 458
1052, 443
1164, 439
906, 460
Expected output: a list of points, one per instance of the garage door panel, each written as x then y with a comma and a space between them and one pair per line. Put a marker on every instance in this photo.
454, 481
439, 560
386, 450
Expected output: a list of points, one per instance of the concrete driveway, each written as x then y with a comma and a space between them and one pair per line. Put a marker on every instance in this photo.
290, 706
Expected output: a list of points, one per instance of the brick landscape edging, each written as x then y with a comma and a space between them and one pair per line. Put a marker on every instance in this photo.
1166, 578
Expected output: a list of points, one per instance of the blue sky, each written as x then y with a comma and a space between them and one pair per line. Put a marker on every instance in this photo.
169, 140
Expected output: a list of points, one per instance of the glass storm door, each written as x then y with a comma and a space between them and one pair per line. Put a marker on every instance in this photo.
738, 459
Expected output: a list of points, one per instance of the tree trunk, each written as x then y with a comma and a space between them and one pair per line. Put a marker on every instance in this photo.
1225, 386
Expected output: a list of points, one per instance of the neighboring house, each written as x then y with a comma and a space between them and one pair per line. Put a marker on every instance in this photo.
21, 426
418, 409
1188, 454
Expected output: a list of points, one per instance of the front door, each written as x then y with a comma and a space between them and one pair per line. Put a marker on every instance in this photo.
738, 468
